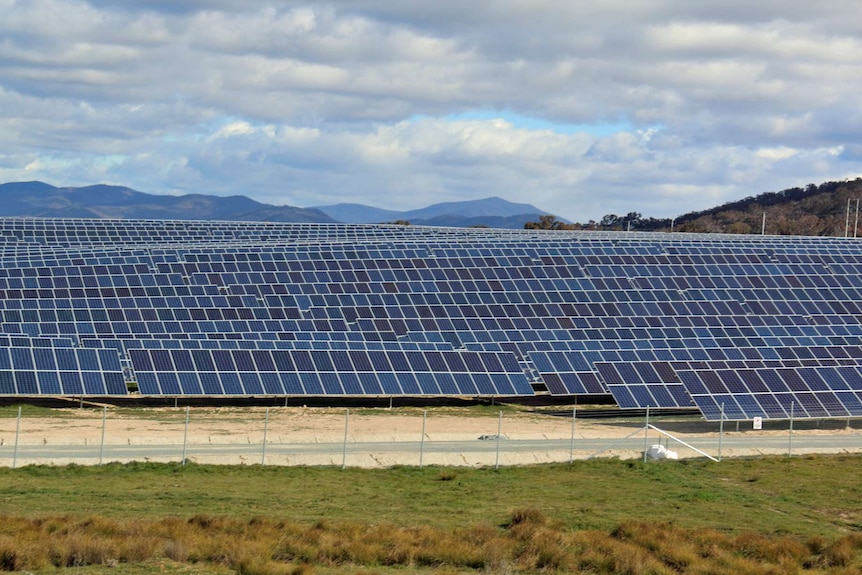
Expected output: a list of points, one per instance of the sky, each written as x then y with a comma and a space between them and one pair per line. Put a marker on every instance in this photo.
580, 108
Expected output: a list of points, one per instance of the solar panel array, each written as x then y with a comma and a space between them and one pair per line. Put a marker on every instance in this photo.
234, 308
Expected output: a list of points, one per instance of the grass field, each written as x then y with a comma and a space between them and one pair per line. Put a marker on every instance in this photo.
781, 515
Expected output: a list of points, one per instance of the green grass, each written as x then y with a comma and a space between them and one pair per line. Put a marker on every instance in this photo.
769, 515
805, 496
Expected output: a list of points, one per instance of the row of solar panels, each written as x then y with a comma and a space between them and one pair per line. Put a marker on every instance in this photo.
738, 393
31, 371
433, 252
250, 258
66, 227
288, 255
552, 307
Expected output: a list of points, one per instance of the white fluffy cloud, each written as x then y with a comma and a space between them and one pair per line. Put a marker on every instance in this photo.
660, 107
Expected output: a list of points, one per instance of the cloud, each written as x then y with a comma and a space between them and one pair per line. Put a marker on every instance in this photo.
583, 109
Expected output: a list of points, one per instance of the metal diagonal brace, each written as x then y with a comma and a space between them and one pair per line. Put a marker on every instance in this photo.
705, 454
650, 426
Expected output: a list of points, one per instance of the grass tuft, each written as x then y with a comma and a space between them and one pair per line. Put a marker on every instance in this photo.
526, 516
447, 475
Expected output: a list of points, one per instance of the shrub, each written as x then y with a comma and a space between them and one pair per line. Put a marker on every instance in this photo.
839, 553
526, 515
769, 549
176, 551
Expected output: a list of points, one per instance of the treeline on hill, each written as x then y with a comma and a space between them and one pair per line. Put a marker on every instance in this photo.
811, 211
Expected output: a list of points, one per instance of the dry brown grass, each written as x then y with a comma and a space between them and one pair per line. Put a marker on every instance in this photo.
528, 542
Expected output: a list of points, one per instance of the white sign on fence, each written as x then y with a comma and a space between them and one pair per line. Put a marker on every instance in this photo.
758, 423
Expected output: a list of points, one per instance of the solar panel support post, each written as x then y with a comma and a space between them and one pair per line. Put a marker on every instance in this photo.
721, 431
499, 431
422, 439
17, 433
344, 449
572, 444
790, 434
185, 435
646, 434
263, 448
102, 442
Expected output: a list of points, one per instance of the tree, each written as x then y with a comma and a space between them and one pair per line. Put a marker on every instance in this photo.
548, 222
610, 221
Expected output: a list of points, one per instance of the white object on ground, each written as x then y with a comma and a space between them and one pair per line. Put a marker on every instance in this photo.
661, 452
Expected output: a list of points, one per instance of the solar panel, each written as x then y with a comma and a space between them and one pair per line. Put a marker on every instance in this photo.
55, 371
557, 304
327, 372
770, 393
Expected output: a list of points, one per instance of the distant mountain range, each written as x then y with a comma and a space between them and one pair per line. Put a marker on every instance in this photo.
38, 199
101, 201
493, 212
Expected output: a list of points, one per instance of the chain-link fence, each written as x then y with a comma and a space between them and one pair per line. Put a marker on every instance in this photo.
383, 438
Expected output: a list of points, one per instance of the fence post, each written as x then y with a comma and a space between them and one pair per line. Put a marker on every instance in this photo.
265, 426
17, 433
186, 435
344, 451
102, 443
720, 431
646, 434
790, 435
499, 431
572, 445
422, 440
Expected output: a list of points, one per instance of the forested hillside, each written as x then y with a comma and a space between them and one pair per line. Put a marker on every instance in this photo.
811, 211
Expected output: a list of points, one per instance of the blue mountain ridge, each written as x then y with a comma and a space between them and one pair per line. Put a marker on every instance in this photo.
493, 212
38, 199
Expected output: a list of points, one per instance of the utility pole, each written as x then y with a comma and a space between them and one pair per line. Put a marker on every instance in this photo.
856, 224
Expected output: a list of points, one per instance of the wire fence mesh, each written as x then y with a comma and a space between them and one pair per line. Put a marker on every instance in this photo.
384, 438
